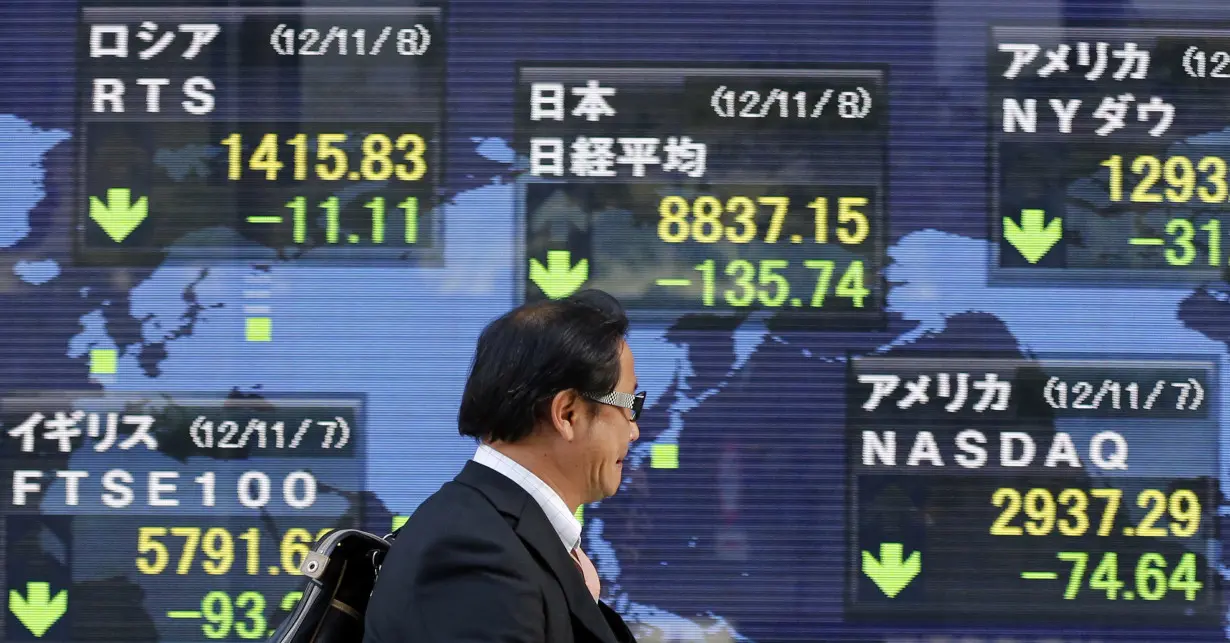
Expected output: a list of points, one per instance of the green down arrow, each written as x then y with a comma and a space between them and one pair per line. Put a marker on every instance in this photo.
891, 574
119, 216
1031, 238
559, 278
37, 610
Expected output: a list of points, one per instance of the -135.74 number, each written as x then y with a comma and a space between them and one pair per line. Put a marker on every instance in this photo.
764, 282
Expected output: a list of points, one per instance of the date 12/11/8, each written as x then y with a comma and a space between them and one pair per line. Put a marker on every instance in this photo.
745, 283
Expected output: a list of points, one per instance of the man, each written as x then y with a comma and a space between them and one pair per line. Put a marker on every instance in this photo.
494, 556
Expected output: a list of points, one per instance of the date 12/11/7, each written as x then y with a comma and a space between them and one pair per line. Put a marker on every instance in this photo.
745, 283
378, 209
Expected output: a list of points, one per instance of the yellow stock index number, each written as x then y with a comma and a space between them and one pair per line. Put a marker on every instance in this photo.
1151, 582
763, 282
701, 219
1043, 510
376, 160
1177, 179
155, 547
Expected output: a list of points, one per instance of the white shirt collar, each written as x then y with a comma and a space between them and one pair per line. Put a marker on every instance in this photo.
564, 522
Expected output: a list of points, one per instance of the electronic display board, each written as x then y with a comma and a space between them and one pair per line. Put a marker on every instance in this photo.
707, 188
215, 501
228, 132
1060, 481
928, 299
1103, 169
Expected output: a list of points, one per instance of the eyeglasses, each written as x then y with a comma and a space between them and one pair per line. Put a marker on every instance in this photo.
634, 403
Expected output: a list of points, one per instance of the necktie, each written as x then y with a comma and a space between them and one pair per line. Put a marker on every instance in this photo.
588, 571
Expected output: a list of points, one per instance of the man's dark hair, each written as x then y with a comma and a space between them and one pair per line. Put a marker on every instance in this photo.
533, 352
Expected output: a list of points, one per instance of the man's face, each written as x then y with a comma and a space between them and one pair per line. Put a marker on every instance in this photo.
603, 439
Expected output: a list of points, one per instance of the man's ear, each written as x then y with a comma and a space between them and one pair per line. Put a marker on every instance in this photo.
566, 408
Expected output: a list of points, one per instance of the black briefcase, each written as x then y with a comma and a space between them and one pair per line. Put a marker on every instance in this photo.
341, 572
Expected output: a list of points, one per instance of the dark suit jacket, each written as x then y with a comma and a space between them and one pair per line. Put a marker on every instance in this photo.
479, 562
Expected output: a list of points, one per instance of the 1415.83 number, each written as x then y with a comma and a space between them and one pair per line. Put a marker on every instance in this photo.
375, 161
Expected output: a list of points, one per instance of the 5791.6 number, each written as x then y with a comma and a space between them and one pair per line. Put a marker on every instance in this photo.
217, 545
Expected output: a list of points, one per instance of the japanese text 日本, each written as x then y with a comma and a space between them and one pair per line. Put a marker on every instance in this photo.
601, 156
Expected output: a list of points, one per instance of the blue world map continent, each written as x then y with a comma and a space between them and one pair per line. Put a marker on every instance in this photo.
377, 331
22, 150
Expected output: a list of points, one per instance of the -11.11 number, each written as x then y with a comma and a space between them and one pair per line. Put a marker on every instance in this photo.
762, 281
332, 209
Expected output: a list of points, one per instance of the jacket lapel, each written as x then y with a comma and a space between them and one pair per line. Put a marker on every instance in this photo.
535, 530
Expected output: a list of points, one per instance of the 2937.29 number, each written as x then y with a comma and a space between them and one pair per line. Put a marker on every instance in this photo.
1068, 512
